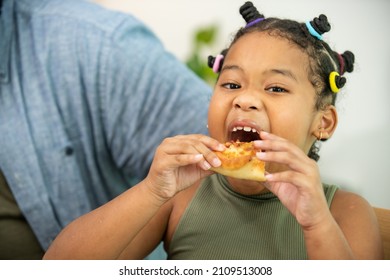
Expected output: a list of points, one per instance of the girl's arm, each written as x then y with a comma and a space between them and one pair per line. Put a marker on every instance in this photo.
357, 222
351, 231
106, 232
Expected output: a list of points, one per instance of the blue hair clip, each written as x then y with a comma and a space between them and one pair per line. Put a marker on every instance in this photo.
312, 31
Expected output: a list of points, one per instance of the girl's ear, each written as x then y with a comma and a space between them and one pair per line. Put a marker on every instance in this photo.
327, 123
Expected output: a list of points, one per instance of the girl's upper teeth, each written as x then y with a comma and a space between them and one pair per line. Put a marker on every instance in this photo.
245, 128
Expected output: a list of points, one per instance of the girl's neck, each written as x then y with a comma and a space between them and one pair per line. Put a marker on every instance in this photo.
247, 187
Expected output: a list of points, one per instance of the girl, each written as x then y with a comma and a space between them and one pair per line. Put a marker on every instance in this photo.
277, 87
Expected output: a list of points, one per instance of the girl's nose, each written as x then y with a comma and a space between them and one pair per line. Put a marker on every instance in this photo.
247, 102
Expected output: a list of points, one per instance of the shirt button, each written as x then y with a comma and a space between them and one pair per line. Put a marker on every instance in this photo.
68, 151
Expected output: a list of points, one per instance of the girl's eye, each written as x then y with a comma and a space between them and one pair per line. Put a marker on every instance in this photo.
231, 86
276, 89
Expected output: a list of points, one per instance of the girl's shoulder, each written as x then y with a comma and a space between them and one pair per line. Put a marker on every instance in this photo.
352, 211
357, 220
346, 202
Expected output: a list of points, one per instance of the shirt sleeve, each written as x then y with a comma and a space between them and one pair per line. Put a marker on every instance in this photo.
149, 95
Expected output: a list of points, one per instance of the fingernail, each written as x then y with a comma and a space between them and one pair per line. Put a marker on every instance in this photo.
261, 155
257, 143
198, 157
206, 165
216, 162
221, 147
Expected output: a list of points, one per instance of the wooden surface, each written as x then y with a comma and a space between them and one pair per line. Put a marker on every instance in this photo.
383, 216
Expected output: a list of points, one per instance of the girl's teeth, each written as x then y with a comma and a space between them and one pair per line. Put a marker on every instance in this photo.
245, 128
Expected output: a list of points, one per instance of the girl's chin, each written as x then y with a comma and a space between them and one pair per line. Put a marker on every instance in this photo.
247, 187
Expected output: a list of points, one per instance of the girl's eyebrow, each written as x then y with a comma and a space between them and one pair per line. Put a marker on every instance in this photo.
231, 67
284, 72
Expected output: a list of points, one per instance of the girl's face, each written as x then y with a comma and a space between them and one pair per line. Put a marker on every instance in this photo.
264, 85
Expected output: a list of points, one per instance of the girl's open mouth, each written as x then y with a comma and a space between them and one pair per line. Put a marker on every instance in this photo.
244, 134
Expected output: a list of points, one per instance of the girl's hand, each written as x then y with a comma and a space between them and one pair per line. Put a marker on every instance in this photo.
181, 161
298, 186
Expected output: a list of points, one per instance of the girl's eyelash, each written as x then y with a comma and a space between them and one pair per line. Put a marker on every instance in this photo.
231, 86
274, 89
277, 89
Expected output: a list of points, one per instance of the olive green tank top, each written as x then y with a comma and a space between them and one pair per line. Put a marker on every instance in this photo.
221, 224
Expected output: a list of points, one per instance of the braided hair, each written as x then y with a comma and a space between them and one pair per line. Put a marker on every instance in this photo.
308, 37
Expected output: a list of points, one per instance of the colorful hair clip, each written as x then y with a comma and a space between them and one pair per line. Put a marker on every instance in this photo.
254, 22
250, 14
318, 26
349, 60
341, 63
312, 31
336, 81
215, 62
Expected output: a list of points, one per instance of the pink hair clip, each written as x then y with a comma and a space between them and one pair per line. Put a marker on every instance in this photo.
217, 63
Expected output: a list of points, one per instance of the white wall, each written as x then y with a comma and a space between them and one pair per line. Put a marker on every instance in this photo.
358, 155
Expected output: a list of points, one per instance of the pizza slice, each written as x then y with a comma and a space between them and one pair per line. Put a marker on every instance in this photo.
239, 161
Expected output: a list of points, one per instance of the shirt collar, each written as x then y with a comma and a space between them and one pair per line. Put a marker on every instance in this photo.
6, 31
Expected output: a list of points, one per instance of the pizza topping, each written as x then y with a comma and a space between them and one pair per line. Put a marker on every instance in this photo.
239, 161
237, 154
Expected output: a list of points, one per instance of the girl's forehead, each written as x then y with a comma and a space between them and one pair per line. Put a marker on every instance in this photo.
263, 50
260, 42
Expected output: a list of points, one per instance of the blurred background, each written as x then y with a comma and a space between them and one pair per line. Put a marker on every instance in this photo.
357, 157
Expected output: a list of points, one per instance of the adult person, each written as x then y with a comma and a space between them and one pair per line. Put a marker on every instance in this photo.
86, 95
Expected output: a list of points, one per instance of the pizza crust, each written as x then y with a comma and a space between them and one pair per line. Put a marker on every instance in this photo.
239, 161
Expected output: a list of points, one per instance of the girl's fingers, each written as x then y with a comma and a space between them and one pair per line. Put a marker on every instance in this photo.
186, 159
287, 177
294, 162
278, 150
206, 140
194, 145
269, 136
273, 143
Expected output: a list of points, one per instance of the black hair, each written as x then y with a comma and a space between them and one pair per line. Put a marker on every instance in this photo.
322, 59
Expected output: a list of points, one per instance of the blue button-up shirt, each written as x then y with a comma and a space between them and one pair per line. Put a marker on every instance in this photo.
86, 95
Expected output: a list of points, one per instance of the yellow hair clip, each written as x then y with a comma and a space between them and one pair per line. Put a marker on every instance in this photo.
332, 81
